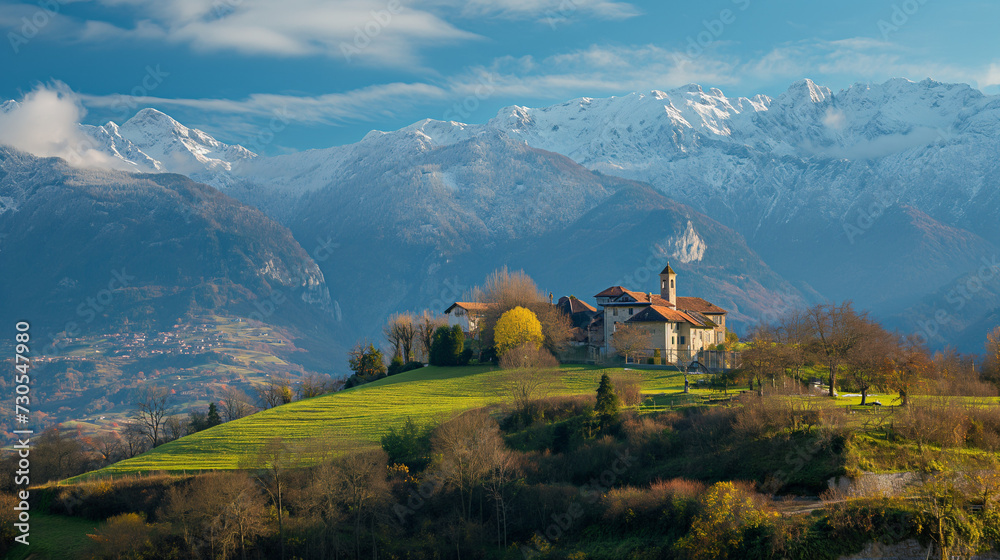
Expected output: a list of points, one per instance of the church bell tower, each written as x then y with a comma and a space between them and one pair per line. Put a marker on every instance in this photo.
668, 284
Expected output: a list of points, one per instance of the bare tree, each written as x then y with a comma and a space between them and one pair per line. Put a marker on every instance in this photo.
275, 392
911, 365
528, 356
236, 404
218, 511
314, 385
835, 330
426, 324
504, 290
991, 369
174, 428
629, 340
109, 445
400, 331
869, 362
525, 385
152, 412
134, 439
363, 485
271, 467
763, 357
466, 448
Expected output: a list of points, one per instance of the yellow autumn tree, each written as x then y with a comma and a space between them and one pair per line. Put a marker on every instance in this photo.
516, 327
726, 512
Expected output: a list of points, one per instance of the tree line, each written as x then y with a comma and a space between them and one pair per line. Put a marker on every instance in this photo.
856, 352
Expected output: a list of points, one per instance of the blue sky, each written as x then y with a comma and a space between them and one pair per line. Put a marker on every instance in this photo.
295, 74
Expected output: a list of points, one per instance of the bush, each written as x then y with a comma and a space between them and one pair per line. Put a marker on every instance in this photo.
727, 513
396, 365
409, 445
528, 356
667, 504
125, 536
627, 387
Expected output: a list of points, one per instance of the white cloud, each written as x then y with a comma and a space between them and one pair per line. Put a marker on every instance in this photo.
387, 33
46, 123
550, 11
596, 71
382, 32
835, 119
355, 105
991, 77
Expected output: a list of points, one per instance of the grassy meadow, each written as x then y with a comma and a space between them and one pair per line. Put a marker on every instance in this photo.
358, 417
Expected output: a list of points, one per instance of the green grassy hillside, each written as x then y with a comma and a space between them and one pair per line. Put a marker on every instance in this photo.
358, 417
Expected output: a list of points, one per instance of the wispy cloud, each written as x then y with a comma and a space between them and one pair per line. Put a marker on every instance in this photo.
860, 58
385, 33
355, 105
543, 9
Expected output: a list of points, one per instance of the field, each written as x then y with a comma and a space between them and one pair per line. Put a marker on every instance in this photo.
358, 417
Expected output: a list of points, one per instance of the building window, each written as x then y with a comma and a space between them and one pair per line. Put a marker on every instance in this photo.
630, 310
673, 340
671, 282
614, 311
682, 340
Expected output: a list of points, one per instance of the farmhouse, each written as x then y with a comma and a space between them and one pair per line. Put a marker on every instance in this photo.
679, 327
466, 314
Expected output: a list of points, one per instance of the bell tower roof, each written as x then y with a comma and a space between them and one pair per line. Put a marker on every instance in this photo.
668, 270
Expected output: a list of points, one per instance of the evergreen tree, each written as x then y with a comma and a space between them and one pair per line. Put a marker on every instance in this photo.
213, 418
607, 403
448, 346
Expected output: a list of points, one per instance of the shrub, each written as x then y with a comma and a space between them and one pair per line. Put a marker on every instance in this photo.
669, 504
124, 536
528, 355
726, 513
409, 444
627, 387
395, 366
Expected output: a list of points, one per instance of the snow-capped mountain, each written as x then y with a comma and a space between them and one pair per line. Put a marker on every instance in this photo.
881, 193
152, 141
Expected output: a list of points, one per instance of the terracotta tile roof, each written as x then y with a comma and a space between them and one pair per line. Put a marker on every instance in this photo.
695, 304
662, 314
468, 306
613, 291
699, 305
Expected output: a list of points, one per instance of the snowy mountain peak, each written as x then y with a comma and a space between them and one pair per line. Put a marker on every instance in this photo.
807, 88
152, 141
